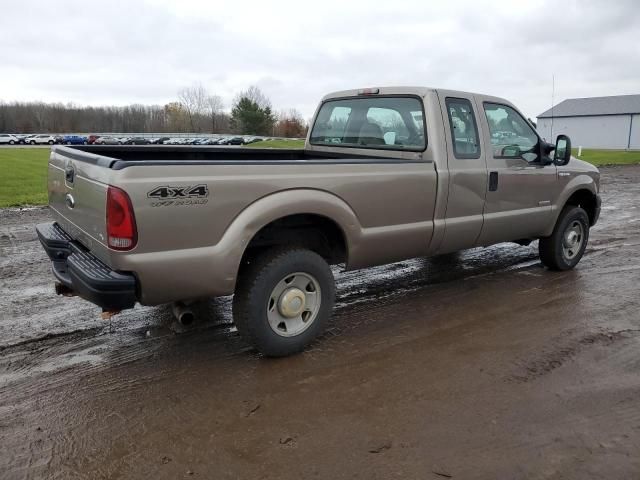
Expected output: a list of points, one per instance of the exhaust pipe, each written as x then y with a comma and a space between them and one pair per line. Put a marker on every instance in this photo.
62, 289
183, 314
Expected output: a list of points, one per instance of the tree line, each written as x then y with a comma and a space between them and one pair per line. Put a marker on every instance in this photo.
195, 111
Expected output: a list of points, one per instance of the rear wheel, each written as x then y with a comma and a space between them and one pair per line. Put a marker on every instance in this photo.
283, 300
50, 142
12, 142
566, 245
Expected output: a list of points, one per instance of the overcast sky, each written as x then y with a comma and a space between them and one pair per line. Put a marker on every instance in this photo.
141, 51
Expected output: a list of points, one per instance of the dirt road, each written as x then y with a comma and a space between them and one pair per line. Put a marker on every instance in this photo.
482, 365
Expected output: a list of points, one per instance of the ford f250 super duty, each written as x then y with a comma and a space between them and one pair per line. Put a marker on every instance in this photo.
386, 174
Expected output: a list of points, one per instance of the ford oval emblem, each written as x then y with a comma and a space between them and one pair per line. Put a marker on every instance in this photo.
69, 200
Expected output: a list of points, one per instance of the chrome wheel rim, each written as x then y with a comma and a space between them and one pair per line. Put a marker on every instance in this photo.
294, 304
572, 240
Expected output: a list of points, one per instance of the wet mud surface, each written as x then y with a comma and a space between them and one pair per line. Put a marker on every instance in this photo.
475, 365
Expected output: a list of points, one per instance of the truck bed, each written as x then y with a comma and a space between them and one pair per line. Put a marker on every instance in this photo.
121, 156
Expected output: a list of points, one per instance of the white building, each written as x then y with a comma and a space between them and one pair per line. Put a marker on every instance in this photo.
596, 122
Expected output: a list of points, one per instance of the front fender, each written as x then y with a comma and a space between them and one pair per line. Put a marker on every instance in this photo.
578, 182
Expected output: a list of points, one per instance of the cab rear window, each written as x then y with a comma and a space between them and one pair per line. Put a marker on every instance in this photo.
391, 123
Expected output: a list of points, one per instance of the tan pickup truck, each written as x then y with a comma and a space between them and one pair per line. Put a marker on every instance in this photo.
386, 174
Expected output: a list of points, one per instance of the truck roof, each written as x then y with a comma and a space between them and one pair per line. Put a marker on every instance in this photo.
400, 90
411, 90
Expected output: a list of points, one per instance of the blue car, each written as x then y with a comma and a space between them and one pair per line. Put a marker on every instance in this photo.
74, 140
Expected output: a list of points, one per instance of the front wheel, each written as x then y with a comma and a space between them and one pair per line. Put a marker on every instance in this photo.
566, 245
283, 300
12, 142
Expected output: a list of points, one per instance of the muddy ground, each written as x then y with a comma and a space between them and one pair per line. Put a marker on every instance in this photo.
481, 365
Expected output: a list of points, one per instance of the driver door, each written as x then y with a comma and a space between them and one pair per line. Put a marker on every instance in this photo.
520, 187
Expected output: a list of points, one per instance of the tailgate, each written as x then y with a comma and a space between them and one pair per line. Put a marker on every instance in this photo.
77, 186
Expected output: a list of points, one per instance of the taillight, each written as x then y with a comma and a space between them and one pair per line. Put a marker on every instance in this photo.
121, 223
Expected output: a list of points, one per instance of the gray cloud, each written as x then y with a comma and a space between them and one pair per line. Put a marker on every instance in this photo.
143, 52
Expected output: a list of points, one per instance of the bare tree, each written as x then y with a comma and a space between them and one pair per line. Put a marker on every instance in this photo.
214, 108
255, 95
290, 124
194, 101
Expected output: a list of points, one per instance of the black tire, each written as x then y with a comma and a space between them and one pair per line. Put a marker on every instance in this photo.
50, 142
12, 142
553, 252
32, 142
254, 292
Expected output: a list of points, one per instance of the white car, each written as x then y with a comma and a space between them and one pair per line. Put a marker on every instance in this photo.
40, 140
8, 139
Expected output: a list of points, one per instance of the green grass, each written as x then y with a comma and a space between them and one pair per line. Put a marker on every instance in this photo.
278, 144
23, 176
608, 157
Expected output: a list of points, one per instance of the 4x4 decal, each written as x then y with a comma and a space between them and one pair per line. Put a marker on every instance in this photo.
179, 195
169, 192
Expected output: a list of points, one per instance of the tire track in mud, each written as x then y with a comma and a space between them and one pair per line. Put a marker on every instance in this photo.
558, 355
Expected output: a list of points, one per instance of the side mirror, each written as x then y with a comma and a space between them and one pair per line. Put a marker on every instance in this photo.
562, 153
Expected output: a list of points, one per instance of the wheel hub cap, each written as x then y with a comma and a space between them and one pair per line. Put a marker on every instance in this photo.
572, 238
572, 241
292, 303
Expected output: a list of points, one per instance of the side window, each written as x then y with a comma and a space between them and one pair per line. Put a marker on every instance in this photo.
511, 135
464, 130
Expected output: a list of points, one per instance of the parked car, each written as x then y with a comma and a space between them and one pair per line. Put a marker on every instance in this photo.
266, 224
21, 138
236, 141
92, 138
8, 139
74, 140
160, 141
40, 140
107, 141
137, 141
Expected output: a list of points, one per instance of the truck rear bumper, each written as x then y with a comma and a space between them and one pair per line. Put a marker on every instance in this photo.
80, 271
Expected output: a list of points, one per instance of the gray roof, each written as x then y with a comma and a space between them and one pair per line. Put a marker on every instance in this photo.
577, 107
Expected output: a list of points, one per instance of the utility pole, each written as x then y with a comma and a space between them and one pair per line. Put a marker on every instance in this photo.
553, 93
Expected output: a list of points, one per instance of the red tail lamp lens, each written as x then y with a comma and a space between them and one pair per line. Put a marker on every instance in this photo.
121, 222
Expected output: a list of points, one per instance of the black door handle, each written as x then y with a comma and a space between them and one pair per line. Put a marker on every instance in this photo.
493, 181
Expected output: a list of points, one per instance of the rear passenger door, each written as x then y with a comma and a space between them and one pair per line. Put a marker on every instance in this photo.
521, 187
467, 170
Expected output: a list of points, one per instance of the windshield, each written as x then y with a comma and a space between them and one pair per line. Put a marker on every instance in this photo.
394, 123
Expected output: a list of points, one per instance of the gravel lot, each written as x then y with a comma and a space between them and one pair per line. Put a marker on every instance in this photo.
476, 365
